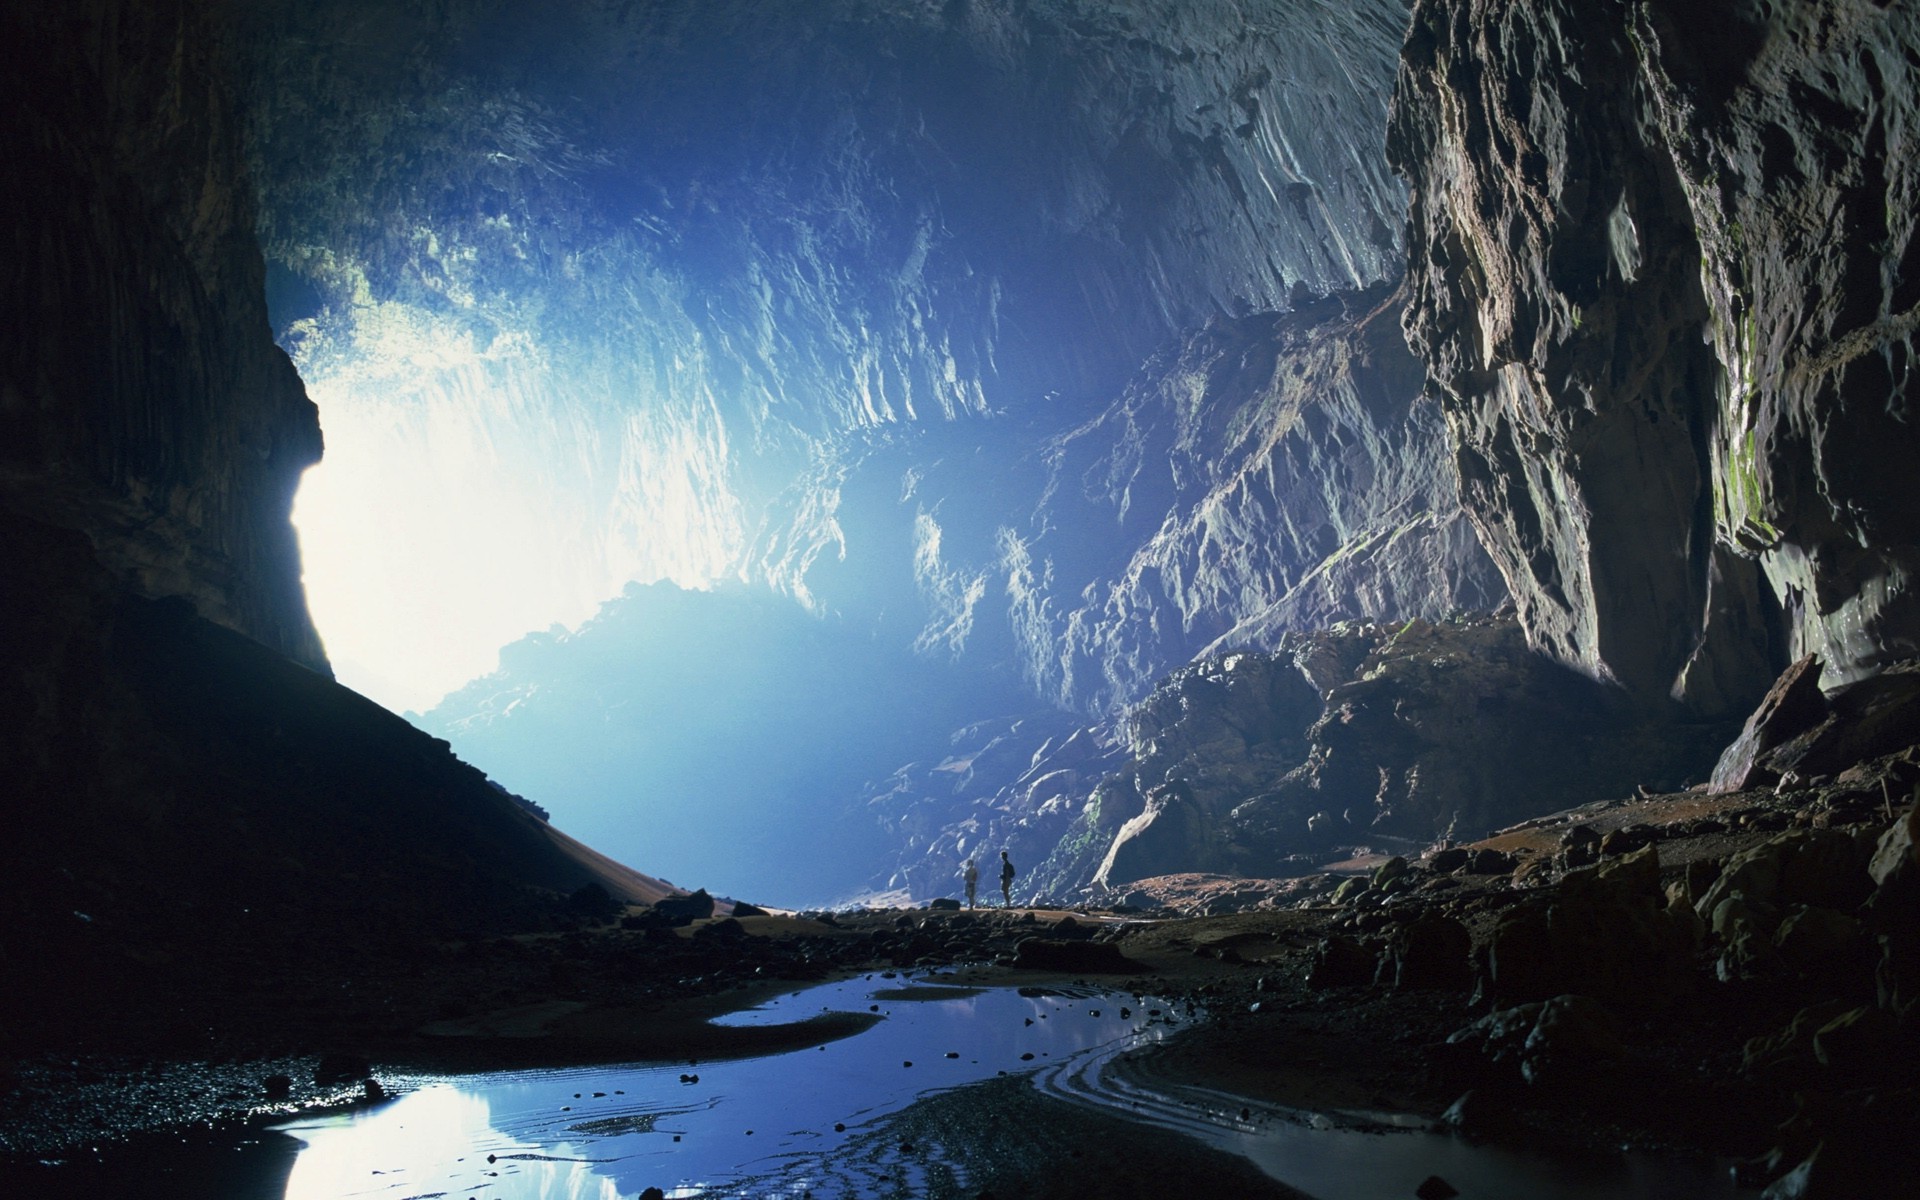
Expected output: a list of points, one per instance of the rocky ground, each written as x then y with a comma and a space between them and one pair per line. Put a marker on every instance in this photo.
1716, 972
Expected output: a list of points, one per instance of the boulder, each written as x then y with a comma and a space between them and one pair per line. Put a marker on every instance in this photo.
1822, 867
1445, 862
1349, 890
1048, 954
1390, 871
1625, 841
1604, 931
1893, 914
1812, 940
1869, 718
1431, 952
1793, 705
1746, 929
1491, 862
1861, 1044
684, 910
1580, 846
1789, 1052
1340, 962
1546, 1042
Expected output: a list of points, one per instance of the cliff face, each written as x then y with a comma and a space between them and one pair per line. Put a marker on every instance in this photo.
721, 274
1267, 474
1662, 269
1264, 473
142, 401
1272, 474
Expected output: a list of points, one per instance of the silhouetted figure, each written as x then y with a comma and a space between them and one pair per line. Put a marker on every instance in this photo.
971, 874
1006, 879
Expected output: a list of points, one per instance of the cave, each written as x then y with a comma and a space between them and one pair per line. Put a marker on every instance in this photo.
542, 538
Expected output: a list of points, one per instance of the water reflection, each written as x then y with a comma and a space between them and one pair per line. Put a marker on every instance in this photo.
1370, 1155
691, 1128
782, 1125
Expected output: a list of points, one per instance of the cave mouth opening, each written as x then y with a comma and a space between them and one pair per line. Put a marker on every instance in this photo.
461, 505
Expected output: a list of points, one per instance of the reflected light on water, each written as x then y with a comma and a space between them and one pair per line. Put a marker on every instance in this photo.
436, 1137
696, 1129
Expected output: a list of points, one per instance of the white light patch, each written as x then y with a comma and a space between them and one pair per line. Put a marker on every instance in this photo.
471, 495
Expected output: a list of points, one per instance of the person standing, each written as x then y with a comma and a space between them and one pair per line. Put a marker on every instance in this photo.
1006, 879
971, 874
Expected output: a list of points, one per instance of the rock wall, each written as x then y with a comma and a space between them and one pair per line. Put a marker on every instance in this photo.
183, 782
142, 401
1266, 473
723, 272
1362, 737
1662, 269
1275, 474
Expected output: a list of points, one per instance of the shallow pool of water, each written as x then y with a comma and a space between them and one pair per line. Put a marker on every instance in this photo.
1365, 1156
817, 1121
690, 1128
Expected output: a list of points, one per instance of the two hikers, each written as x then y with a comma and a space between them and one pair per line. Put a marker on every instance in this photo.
970, 874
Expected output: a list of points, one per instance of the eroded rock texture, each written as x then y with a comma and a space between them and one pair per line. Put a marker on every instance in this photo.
1265, 764
1662, 269
1281, 474
1267, 473
142, 401
731, 277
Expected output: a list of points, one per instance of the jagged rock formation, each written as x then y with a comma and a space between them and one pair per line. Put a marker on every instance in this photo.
1266, 473
721, 274
1663, 271
1270, 473
1263, 765
143, 403
1273, 474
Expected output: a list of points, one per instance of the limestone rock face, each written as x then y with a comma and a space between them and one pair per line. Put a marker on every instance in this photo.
1267, 474
1662, 268
839, 292
1267, 764
143, 404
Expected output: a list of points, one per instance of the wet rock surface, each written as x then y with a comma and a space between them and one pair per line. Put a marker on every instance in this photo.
1662, 318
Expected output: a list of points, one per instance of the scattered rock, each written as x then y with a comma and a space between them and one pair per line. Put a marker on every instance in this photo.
1340, 962
1047, 954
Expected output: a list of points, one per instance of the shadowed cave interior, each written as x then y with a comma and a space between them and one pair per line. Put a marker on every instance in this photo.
528, 527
